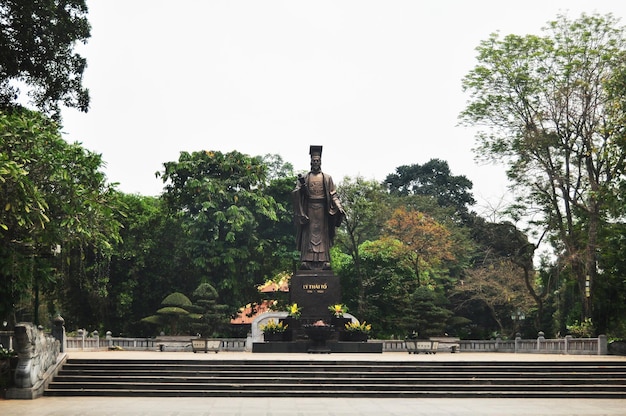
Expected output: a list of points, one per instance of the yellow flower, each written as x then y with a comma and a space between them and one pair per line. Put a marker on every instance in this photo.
273, 326
294, 310
358, 327
338, 309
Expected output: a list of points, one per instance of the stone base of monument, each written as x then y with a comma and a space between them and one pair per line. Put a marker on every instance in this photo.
314, 291
318, 336
370, 347
316, 331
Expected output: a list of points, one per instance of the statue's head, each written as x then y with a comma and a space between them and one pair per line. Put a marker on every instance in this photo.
316, 157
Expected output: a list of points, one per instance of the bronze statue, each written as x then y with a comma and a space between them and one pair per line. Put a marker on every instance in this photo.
317, 212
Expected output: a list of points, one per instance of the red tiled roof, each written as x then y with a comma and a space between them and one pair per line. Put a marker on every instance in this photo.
248, 313
269, 287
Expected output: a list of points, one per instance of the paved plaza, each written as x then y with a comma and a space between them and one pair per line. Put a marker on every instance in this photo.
298, 406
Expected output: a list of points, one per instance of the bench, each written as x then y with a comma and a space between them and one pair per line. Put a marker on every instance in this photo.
205, 345
425, 346
450, 344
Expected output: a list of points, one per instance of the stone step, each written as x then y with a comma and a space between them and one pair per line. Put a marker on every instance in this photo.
114, 365
451, 393
321, 378
164, 382
332, 375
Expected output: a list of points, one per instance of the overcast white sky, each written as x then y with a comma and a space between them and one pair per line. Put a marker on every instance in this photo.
377, 83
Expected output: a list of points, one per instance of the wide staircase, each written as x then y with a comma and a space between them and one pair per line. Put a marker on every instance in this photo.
330, 378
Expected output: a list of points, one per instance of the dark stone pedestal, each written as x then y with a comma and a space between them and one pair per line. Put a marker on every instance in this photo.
315, 291
330, 347
276, 336
280, 347
339, 323
353, 336
356, 347
319, 336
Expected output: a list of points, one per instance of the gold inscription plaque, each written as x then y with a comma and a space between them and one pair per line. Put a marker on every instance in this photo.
315, 288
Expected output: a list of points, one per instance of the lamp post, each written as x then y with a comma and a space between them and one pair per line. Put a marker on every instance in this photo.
517, 317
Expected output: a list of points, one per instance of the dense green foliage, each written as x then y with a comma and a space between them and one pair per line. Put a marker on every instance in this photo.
433, 179
59, 218
411, 255
221, 202
552, 108
37, 39
221, 227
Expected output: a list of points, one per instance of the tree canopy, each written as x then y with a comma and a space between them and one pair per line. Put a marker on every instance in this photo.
37, 41
552, 110
55, 201
221, 200
433, 179
410, 251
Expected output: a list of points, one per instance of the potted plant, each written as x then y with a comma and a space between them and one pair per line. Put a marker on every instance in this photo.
293, 316
356, 331
274, 331
337, 310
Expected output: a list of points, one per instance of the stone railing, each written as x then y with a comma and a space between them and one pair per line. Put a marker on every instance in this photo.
93, 342
444, 344
6, 340
233, 344
567, 345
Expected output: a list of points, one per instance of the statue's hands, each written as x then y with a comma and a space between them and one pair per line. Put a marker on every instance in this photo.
339, 217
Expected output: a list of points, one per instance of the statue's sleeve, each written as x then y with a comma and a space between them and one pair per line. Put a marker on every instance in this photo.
335, 210
299, 213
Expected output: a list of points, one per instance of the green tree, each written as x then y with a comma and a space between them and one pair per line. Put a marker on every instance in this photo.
553, 115
37, 40
430, 314
174, 315
146, 264
214, 318
365, 207
388, 285
612, 287
394, 303
432, 179
221, 199
280, 252
59, 214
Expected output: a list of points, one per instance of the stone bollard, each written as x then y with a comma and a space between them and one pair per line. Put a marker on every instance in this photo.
540, 338
567, 340
81, 334
58, 331
603, 345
